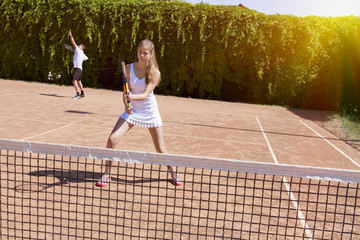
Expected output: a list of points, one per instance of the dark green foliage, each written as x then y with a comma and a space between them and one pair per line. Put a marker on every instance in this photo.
215, 52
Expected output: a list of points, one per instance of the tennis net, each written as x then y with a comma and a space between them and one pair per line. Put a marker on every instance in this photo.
48, 192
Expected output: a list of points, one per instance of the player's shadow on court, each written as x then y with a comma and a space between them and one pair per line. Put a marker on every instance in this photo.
78, 112
66, 177
52, 95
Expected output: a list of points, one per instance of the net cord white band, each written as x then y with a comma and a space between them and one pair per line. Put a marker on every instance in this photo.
330, 174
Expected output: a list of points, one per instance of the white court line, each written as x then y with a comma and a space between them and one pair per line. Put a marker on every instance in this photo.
211, 139
10, 94
109, 127
55, 122
32, 120
357, 164
46, 132
308, 232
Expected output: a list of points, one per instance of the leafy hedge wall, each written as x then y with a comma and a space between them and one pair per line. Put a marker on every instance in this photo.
216, 52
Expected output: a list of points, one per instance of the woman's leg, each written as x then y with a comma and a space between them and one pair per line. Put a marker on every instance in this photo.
121, 127
158, 139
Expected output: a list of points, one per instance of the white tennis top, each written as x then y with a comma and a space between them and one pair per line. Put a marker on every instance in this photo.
79, 58
145, 113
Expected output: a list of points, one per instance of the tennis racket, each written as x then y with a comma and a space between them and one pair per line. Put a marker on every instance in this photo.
126, 86
68, 47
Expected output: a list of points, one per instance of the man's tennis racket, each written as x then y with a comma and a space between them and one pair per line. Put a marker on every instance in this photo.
68, 47
126, 86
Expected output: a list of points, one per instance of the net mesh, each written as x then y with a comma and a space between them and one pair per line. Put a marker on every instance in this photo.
48, 192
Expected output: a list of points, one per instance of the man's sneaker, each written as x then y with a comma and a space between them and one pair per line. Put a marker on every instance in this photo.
82, 95
105, 178
77, 97
175, 178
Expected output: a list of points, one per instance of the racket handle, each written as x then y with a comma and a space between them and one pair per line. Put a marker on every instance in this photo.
128, 104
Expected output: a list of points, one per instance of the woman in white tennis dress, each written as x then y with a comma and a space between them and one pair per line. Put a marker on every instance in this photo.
143, 110
145, 113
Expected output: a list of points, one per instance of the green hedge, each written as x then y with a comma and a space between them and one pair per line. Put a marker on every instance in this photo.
215, 52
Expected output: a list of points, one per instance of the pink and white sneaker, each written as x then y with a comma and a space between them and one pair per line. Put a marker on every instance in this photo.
105, 178
175, 178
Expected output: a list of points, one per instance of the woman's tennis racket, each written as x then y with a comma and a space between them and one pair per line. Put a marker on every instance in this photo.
68, 47
126, 86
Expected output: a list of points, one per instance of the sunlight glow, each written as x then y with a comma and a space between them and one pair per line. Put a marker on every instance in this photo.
296, 7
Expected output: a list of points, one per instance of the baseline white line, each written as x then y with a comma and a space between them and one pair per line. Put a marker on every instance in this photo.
46, 132
301, 216
344, 154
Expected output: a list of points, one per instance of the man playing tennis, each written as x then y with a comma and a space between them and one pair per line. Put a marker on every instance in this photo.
79, 58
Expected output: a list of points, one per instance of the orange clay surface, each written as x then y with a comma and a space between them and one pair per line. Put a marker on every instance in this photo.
48, 113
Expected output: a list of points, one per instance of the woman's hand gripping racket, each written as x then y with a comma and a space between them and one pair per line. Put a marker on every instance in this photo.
126, 85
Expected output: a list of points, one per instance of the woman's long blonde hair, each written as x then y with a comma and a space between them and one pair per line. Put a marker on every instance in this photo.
152, 65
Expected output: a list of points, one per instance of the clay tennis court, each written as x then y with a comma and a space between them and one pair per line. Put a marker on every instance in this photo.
270, 134
48, 113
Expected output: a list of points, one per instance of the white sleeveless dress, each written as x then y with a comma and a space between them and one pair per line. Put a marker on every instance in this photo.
145, 113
